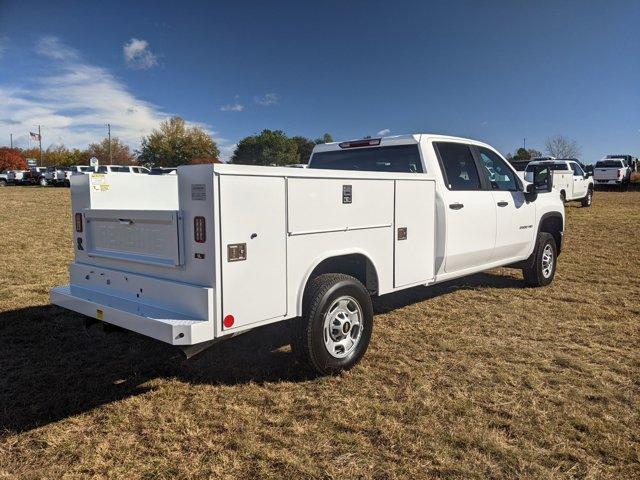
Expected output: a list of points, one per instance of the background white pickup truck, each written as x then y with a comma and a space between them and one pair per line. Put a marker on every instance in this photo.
612, 172
569, 179
217, 250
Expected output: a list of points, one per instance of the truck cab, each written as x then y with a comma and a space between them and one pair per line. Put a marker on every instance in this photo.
473, 181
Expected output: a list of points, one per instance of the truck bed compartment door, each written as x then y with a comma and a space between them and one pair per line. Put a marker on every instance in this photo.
253, 248
151, 237
414, 232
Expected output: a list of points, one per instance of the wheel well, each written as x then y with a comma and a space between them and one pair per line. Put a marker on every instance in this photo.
354, 264
553, 224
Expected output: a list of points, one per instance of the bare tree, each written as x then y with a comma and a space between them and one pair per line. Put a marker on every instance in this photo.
561, 147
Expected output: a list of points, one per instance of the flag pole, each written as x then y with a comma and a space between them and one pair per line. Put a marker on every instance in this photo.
40, 139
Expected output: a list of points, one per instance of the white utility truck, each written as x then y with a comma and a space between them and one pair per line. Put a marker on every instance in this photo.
216, 250
569, 179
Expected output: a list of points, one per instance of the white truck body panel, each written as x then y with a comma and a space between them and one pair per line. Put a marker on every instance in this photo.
139, 265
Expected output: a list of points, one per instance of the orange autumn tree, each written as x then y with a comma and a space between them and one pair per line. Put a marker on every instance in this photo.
12, 159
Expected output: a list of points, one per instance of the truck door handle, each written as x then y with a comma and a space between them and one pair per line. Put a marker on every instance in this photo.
455, 206
503, 204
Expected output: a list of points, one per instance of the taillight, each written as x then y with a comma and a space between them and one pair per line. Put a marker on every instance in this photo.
79, 222
199, 230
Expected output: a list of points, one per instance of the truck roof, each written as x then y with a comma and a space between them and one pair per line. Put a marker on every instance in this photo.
400, 140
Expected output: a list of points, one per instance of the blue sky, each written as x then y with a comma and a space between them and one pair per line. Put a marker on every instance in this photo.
495, 71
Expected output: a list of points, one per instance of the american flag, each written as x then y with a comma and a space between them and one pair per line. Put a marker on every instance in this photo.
35, 136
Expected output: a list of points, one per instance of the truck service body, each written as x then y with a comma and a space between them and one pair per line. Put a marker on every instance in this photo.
217, 250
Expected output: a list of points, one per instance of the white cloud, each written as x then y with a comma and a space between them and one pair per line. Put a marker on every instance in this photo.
137, 54
267, 99
53, 48
383, 133
73, 102
234, 107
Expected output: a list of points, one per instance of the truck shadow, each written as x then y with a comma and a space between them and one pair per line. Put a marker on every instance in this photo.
53, 369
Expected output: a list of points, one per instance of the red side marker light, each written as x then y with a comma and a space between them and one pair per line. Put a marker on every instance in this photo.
228, 321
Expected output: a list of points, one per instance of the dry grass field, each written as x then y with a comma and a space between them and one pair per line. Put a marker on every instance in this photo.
476, 378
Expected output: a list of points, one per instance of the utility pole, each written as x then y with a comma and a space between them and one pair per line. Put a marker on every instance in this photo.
110, 157
11, 137
40, 140
524, 143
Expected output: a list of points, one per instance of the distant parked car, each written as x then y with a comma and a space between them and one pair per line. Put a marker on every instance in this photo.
3, 179
122, 169
162, 171
19, 177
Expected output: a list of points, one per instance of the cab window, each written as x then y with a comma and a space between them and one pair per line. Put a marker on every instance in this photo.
577, 170
458, 167
496, 171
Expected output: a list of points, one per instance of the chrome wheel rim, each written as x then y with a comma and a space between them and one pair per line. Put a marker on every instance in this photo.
342, 326
547, 260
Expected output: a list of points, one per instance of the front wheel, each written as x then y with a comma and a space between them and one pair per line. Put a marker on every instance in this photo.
335, 329
43, 182
541, 266
588, 198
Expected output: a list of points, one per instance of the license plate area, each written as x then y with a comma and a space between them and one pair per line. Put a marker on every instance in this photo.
142, 236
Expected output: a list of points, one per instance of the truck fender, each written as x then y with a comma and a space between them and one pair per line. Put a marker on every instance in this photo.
326, 256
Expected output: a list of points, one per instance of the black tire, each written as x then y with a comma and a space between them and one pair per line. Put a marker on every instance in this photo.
308, 331
3, 183
43, 182
536, 272
588, 198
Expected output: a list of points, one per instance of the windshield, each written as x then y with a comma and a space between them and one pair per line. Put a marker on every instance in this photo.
609, 164
399, 158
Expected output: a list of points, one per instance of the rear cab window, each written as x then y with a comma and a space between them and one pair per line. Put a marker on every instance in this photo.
609, 164
395, 158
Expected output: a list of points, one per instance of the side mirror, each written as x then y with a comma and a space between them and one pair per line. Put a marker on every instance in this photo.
542, 179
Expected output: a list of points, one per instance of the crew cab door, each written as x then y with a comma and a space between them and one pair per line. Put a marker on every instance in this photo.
470, 211
515, 216
580, 184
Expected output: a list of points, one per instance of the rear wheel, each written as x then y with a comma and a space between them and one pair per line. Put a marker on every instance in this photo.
334, 332
43, 182
588, 198
541, 266
3, 183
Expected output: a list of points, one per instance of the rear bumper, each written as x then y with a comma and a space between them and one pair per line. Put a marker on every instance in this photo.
175, 313
608, 182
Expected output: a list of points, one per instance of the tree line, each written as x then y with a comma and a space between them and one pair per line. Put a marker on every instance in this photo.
173, 143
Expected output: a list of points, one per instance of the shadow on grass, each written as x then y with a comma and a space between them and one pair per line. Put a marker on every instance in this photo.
52, 368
